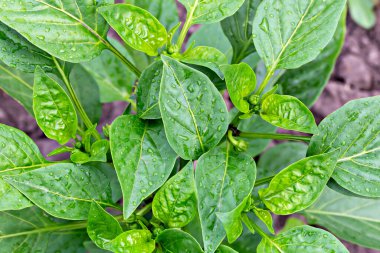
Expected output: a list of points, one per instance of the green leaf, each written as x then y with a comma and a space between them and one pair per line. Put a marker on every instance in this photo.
238, 29
136, 26
102, 227
18, 85
177, 241
65, 190
292, 222
175, 203
193, 111
19, 53
210, 11
31, 230
148, 90
19, 154
224, 178
208, 57
55, 113
134, 241
285, 154
69, 29
241, 82
297, 186
354, 128
136, 148
284, 35
307, 83
99, 150
305, 238
353, 219
265, 217
225, 249
362, 12
289, 113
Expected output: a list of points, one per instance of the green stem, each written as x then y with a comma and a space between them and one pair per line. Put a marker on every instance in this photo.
129, 64
265, 82
146, 209
186, 26
289, 137
263, 181
75, 100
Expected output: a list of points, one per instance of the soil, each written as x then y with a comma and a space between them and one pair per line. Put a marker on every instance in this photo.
357, 75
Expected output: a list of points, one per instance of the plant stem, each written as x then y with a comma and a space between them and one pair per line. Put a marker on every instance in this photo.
146, 209
263, 181
265, 82
275, 136
186, 26
76, 101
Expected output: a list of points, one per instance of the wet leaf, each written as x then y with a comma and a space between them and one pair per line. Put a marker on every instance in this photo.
225, 249
265, 217
177, 241
134, 241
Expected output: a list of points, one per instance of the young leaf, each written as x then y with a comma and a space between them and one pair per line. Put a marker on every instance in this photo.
297, 186
175, 203
238, 29
284, 35
102, 227
134, 241
289, 113
148, 90
353, 219
19, 154
225, 249
208, 57
206, 12
99, 150
142, 157
58, 27
241, 82
65, 190
309, 239
292, 222
137, 27
193, 111
55, 113
265, 217
19, 53
224, 178
354, 129
177, 241
362, 11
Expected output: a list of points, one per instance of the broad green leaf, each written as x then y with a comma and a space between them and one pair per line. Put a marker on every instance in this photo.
175, 203
287, 34
297, 186
208, 57
19, 53
55, 113
177, 241
210, 11
68, 29
285, 154
224, 178
292, 222
225, 249
18, 85
354, 128
18, 154
134, 241
31, 230
362, 12
110, 173
92, 248
99, 150
148, 90
102, 227
136, 26
241, 82
289, 113
307, 83
65, 190
238, 29
193, 111
304, 238
265, 217
142, 157
353, 219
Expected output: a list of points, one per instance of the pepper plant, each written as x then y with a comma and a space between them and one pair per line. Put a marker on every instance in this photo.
177, 171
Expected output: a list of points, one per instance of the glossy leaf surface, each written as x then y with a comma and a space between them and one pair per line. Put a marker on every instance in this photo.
289, 113
354, 128
142, 157
284, 35
55, 113
177, 241
297, 186
134, 241
224, 178
175, 204
309, 239
193, 111
265, 217
225, 249
136, 26
70, 30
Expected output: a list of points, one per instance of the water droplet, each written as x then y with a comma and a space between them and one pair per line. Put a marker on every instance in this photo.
264, 25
